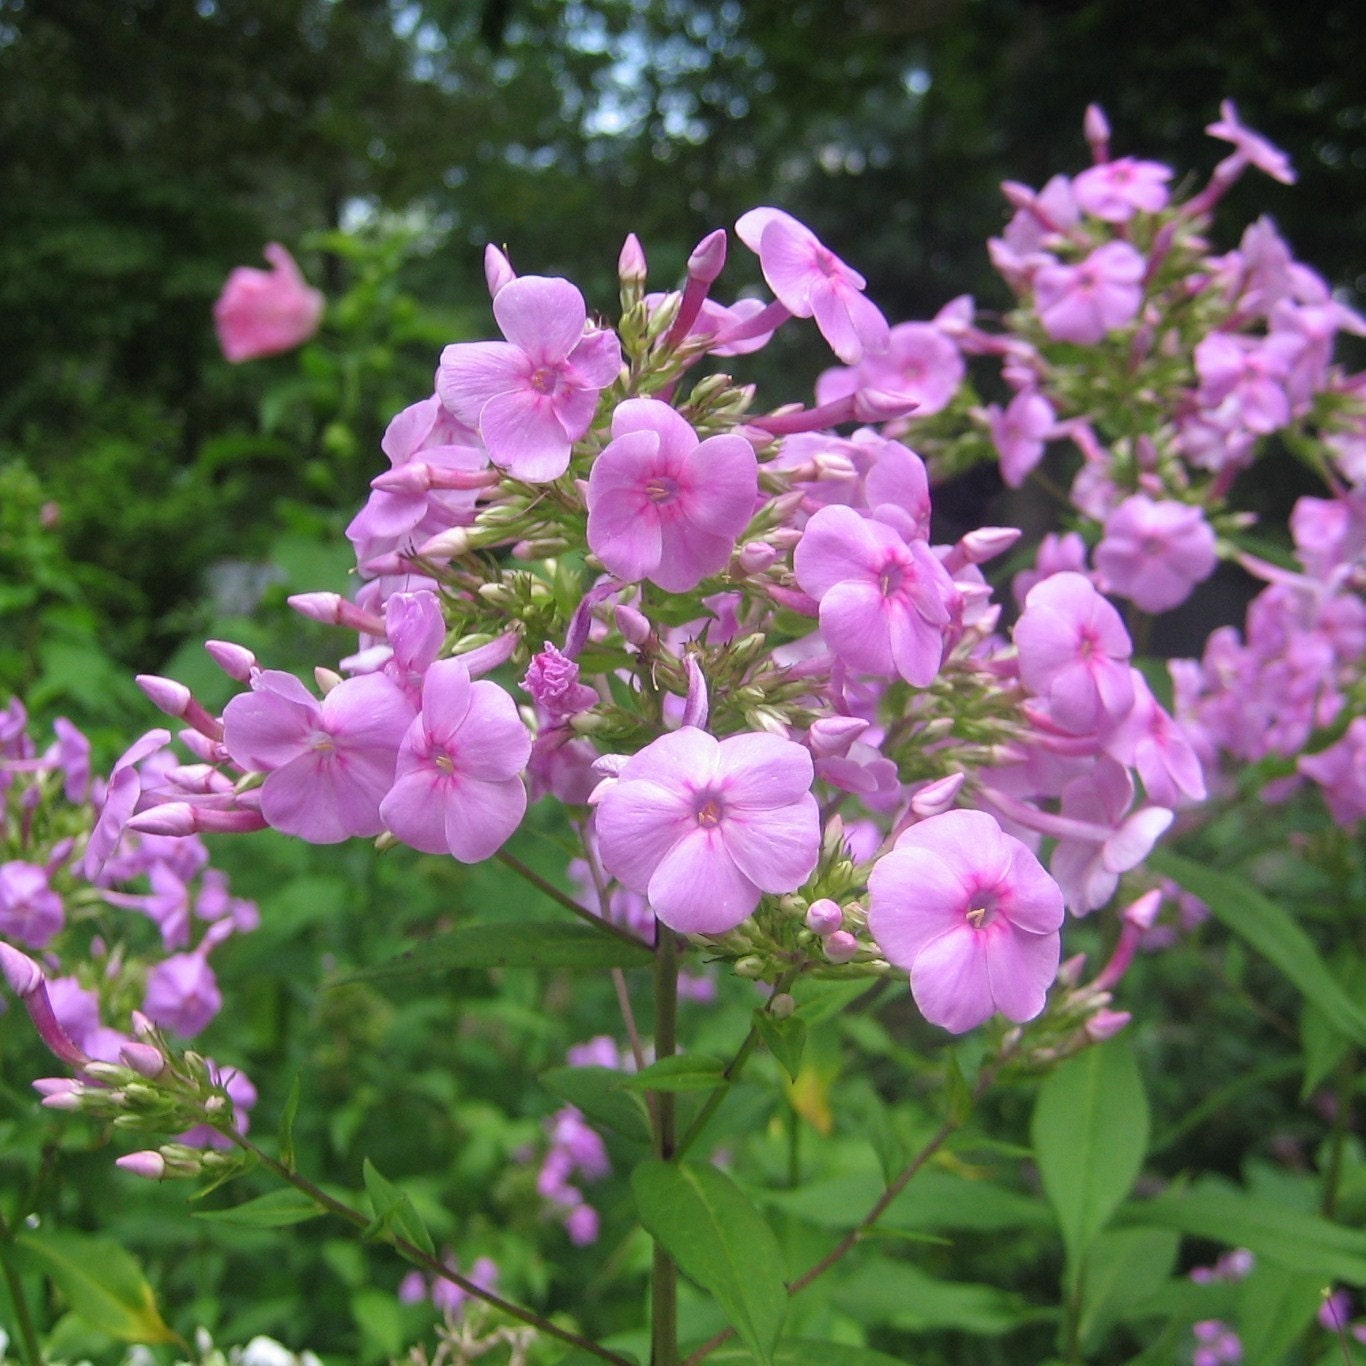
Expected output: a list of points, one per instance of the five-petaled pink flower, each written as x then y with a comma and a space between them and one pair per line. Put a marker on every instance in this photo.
1154, 553
811, 281
886, 604
457, 789
263, 312
970, 913
532, 396
1115, 190
662, 505
704, 827
1081, 303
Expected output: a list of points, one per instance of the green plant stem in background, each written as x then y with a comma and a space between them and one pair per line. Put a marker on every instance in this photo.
419, 1258
568, 902
28, 1334
1337, 1139
664, 1280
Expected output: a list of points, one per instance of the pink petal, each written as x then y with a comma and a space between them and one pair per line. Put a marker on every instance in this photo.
596, 360
445, 699
637, 824
854, 623
305, 798
688, 556
838, 544
722, 476
917, 648
480, 816
491, 744
697, 889
415, 808
544, 316
775, 849
761, 772
951, 982
915, 897
524, 435
1020, 969
471, 373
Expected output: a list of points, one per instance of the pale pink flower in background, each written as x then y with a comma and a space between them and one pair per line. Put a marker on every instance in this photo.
920, 364
1019, 433
811, 281
705, 827
970, 913
457, 788
1154, 553
1244, 379
1115, 190
328, 764
1081, 303
1152, 742
1340, 770
532, 396
30, 910
1074, 653
1250, 149
886, 604
263, 312
182, 994
662, 505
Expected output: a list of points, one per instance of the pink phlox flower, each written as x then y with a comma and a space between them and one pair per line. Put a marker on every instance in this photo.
828, 468
215, 902
970, 913
1151, 741
1218, 1344
71, 753
1074, 654
1340, 771
416, 630
121, 798
662, 505
553, 682
898, 479
886, 604
532, 396
920, 365
811, 281
1215, 440
1037, 222
561, 763
1250, 149
1154, 553
705, 827
1244, 379
263, 312
167, 906
1058, 553
182, 994
30, 909
1108, 840
1084, 302
457, 789
328, 765
1116, 190
1020, 432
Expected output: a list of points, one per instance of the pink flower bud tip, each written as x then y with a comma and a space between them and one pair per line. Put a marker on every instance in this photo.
498, 269
1105, 1024
1095, 125
21, 972
840, 947
987, 542
144, 1059
824, 917
708, 257
60, 1093
235, 660
1143, 912
148, 1164
631, 265
166, 694
937, 797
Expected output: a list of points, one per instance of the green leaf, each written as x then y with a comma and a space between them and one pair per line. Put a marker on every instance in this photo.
509, 944
102, 1283
785, 1039
1275, 1306
1273, 933
819, 999
805, 1352
681, 1072
1090, 1131
276, 1210
1289, 1237
394, 1210
287, 1121
708, 1226
899, 1295
599, 1093
1124, 1269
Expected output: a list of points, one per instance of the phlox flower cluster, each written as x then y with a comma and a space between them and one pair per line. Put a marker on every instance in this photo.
108, 932
747, 671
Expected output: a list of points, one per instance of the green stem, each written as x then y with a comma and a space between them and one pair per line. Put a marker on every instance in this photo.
664, 1281
553, 892
28, 1333
1332, 1178
425, 1260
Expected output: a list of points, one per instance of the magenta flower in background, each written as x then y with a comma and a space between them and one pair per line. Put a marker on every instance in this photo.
920, 364
705, 827
886, 604
457, 789
263, 312
1115, 190
182, 994
1074, 653
811, 281
1249, 148
662, 505
1154, 553
970, 913
328, 764
1019, 433
30, 911
531, 396
1082, 303
553, 681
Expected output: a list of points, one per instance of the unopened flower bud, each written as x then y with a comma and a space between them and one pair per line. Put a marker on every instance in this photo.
1143, 912
781, 1006
987, 542
1105, 1024
144, 1059
831, 736
235, 660
751, 967
631, 265
166, 694
937, 797
755, 557
840, 947
633, 625
150, 1165
21, 972
1097, 129
824, 917
498, 270
708, 257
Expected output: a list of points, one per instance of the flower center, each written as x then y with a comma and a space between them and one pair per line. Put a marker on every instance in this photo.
710, 809
981, 908
545, 380
892, 579
661, 489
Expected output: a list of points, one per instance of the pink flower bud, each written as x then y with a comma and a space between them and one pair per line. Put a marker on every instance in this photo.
708, 257
633, 625
987, 542
235, 660
1143, 912
831, 736
631, 265
1105, 1024
498, 270
824, 917
937, 797
21, 972
756, 556
840, 947
144, 1059
148, 1164
261, 313
166, 694
60, 1093
1097, 129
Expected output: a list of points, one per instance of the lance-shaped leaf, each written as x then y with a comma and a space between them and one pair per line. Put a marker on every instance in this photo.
1090, 1132
708, 1226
